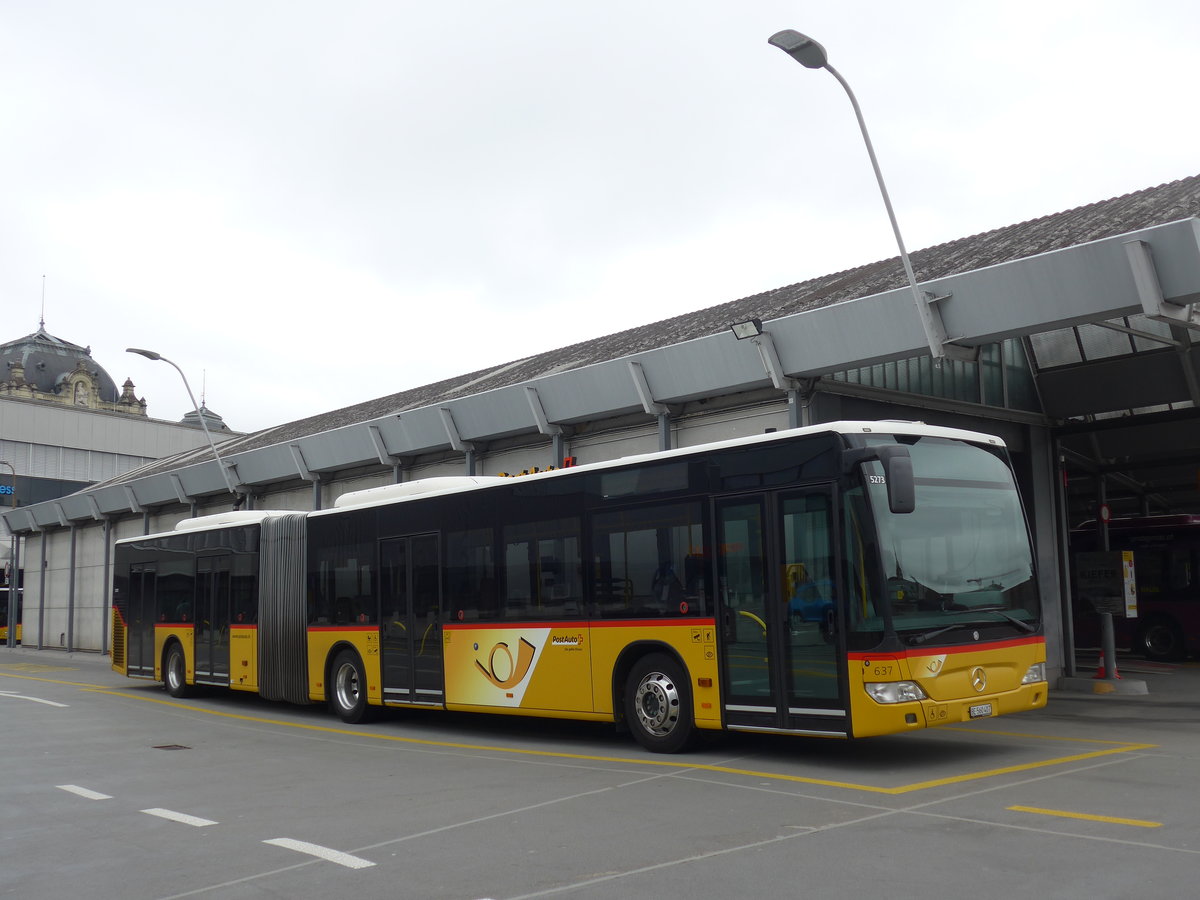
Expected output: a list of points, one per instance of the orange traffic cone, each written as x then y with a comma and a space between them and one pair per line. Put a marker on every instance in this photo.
1101, 671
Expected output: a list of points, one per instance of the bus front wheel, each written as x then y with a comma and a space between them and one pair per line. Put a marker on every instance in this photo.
175, 674
658, 704
348, 681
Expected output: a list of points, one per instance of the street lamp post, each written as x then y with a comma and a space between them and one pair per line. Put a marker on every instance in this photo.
812, 55
150, 354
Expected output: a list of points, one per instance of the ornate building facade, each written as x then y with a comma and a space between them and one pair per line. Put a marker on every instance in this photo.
43, 367
65, 425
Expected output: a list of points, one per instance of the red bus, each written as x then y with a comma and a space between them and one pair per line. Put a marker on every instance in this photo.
1166, 559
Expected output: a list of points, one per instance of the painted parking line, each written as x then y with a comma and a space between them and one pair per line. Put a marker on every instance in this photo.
179, 817
333, 856
83, 792
13, 695
1110, 748
1088, 817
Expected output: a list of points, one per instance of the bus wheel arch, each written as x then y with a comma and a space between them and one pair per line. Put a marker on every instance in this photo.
656, 698
346, 685
174, 669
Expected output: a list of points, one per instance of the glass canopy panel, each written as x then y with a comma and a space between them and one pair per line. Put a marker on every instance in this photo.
1104, 343
1055, 348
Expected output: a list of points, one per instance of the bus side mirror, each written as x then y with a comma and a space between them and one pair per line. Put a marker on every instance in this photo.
897, 473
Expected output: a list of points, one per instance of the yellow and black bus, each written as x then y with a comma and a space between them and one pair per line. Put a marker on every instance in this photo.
14, 611
841, 580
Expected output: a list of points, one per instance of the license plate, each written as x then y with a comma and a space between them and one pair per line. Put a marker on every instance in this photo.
978, 712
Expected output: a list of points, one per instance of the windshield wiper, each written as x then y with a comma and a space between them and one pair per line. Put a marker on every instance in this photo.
1023, 625
930, 635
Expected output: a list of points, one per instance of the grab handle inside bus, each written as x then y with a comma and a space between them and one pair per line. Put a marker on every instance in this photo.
897, 472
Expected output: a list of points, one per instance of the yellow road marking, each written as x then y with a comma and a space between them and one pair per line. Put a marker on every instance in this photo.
1114, 747
1036, 737
623, 760
1065, 814
34, 667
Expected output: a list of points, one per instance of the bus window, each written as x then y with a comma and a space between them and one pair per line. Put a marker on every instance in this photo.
471, 575
649, 561
542, 570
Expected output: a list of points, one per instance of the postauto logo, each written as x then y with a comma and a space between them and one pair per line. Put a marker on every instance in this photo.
502, 670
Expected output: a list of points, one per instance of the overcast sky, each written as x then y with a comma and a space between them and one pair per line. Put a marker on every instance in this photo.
307, 205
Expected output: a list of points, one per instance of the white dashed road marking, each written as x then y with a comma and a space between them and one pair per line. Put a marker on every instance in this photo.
179, 817
82, 792
13, 695
334, 856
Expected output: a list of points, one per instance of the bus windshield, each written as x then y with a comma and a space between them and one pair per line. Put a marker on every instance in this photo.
962, 558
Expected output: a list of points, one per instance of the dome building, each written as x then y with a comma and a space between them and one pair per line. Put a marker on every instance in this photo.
40, 366
65, 425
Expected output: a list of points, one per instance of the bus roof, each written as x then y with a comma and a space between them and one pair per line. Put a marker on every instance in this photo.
451, 484
229, 518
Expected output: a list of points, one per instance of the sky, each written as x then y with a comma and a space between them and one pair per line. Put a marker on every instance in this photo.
309, 205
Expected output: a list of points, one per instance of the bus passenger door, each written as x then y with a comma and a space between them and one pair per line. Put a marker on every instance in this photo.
140, 612
212, 619
411, 632
777, 611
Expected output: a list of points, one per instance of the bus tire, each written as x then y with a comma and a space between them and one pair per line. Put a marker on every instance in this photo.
348, 688
658, 704
1161, 639
175, 672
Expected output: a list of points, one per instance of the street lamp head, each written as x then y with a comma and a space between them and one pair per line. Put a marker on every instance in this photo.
149, 354
800, 47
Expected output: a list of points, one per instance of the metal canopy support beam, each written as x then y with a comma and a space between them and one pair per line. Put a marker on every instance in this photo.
182, 494
770, 360
307, 474
1149, 289
544, 425
71, 589
1144, 335
940, 345
386, 457
1184, 348
62, 515
238, 486
650, 405
645, 395
95, 507
800, 402
456, 441
301, 466
134, 505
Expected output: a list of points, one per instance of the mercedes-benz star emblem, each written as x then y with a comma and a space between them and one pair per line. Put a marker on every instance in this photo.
978, 679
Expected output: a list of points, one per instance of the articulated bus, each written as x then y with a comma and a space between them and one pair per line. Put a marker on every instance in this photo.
841, 580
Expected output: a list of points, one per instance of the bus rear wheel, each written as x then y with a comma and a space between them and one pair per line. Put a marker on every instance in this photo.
348, 682
175, 672
1161, 639
658, 704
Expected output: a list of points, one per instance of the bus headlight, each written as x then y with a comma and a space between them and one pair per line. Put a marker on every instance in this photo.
1036, 673
894, 691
